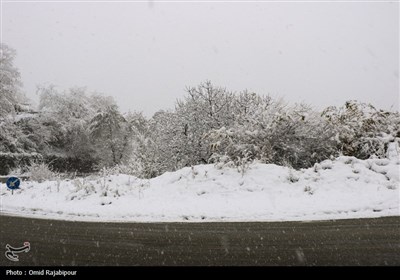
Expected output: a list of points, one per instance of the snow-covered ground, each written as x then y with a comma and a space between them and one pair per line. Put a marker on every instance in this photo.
342, 188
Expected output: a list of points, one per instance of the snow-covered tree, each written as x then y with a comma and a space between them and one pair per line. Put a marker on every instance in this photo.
10, 82
75, 103
140, 162
79, 131
111, 134
205, 107
74, 111
153, 145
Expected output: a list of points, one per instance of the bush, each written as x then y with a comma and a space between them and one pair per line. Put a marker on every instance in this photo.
281, 135
362, 130
40, 172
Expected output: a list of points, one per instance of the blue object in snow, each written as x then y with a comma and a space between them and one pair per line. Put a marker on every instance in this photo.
13, 183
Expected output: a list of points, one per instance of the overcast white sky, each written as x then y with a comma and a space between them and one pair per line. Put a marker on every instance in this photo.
144, 54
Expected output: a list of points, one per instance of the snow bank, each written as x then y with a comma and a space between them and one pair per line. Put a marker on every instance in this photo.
334, 189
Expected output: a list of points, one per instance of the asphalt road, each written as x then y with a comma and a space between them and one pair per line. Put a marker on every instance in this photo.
339, 242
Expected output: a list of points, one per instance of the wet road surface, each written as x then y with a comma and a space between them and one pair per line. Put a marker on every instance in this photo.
337, 242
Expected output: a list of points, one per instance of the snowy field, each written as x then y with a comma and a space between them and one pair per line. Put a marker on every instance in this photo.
334, 189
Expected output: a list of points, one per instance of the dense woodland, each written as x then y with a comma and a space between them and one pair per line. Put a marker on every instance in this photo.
80, 131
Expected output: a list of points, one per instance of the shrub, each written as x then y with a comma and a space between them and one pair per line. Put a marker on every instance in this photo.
362, 130
40, 172
281, 135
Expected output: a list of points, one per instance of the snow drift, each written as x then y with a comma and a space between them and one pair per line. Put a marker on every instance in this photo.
345, 187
